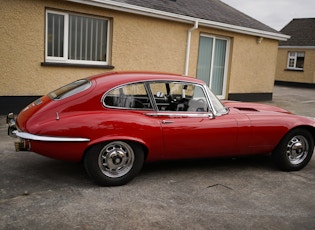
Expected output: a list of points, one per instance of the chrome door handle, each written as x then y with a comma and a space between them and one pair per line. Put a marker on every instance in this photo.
167, 122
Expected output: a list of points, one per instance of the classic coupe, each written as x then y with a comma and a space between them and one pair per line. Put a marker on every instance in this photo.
115, 121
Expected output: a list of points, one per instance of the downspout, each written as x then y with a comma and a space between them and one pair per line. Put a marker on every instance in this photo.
188, 46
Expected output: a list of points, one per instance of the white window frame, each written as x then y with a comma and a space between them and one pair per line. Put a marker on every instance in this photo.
65, 58
292, 56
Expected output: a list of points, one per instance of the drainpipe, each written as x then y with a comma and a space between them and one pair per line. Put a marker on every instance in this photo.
188, 46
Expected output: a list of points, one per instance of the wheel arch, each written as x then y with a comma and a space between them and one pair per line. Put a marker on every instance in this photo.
131, 141
311, 129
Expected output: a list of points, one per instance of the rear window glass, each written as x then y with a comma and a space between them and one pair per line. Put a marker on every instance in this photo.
70, 89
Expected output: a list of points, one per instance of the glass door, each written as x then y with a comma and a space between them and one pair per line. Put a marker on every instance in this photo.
212, 63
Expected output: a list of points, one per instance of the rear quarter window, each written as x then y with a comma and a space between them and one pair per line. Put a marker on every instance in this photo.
70, 89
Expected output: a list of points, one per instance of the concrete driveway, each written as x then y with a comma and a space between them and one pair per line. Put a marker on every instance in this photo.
247, 193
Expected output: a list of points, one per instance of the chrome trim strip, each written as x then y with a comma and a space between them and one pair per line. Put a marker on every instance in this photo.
167, 122
166, 114
28, 136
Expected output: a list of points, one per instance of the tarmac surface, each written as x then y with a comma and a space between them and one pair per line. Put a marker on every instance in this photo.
245, 193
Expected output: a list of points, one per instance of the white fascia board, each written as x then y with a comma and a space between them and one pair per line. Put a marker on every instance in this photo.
297, 47
244, 30
120, 6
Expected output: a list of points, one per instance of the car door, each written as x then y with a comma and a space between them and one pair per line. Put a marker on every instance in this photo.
188, 126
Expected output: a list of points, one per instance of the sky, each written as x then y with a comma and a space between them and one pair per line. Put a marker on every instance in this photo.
275, 13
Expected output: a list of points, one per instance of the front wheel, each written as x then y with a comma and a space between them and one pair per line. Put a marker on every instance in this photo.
295, 150
114, 163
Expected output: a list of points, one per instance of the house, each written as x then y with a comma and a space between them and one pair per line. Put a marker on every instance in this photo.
46, 44
296, 56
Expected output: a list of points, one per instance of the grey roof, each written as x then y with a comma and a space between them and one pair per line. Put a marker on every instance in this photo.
212, 10
302, 32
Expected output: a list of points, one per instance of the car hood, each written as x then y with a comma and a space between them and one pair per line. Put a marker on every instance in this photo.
249, 106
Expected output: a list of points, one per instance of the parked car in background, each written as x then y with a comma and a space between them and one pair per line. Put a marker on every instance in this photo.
113, 122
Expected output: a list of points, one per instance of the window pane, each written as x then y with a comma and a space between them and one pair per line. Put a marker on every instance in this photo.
291, 62
179, 97
55, 35
218, 66
132, 96
292, 54
300, 62
204, 59
70, 89
87, 38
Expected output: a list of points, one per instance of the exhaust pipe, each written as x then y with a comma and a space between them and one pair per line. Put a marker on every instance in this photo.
23, 145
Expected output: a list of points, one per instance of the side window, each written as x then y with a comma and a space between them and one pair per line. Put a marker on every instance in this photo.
76, 38
296, 60
132, 96
179, 96
70, 89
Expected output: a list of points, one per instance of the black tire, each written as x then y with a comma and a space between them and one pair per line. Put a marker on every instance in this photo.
114, 163
295, 150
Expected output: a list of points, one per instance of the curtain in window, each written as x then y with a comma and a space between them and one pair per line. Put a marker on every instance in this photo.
205, 59
218, 66
55, 35
87, 38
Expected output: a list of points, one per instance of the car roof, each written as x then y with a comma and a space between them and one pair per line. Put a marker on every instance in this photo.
112, 79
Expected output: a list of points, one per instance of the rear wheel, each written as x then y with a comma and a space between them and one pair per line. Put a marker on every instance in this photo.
295, 150
114, 163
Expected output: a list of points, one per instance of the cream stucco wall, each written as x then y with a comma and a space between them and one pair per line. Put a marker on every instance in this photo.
142, 43
305, 76
22, 50
137, 43
253, 65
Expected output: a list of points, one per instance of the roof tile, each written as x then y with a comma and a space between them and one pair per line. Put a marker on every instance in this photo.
302, 32
212, 10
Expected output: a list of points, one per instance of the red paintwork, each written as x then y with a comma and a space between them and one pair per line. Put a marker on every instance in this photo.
249, 128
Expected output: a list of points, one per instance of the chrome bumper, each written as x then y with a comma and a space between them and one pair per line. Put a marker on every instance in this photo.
22, 144
11, 125
25, 138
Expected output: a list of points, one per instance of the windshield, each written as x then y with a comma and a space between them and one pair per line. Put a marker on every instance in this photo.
216, 103
70, 89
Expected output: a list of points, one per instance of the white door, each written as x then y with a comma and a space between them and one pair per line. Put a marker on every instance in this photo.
212, 63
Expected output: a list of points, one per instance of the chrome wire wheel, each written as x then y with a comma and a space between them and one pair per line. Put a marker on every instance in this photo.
116, 159
297, 149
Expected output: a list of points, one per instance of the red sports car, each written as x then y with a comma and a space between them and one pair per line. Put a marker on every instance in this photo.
113, 122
